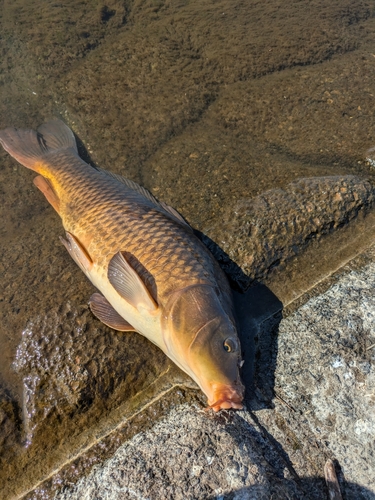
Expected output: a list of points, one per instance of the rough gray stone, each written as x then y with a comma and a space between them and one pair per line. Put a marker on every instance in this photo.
325, 370
189, 455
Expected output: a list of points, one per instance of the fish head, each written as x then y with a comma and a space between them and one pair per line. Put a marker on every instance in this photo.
203, 341
215, 356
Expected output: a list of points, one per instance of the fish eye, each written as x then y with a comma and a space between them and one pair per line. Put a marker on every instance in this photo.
229, 345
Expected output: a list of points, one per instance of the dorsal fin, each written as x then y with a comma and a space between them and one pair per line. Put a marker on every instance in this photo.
170, 211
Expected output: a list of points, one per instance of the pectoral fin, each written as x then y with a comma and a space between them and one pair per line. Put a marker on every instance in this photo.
128, 284
103, 310
77, 252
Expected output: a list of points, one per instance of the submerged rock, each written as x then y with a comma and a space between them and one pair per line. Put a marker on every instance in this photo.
260, 234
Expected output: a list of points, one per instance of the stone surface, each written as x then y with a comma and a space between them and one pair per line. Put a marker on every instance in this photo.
194, 456
326, 371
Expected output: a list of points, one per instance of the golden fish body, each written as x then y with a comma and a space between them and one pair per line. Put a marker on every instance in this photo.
155, 275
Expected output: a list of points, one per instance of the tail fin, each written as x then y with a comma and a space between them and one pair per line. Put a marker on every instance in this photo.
29, 147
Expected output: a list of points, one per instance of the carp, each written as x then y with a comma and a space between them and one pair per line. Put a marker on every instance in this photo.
154, 275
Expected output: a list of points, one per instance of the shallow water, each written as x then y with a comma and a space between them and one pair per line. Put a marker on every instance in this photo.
209, 104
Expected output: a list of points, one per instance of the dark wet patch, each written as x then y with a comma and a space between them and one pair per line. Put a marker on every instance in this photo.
73, 369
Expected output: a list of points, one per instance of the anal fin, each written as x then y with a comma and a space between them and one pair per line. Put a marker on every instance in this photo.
103, 310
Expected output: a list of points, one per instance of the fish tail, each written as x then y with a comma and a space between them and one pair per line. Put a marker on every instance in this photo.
31, 147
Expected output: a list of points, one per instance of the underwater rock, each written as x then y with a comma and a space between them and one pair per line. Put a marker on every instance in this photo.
260, 234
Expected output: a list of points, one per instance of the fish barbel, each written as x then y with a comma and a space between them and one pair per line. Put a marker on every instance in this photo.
155, 276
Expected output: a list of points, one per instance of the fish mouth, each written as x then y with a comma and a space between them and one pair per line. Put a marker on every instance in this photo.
226, 397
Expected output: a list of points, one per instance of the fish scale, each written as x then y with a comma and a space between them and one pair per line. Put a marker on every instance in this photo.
155, 276
90, 199
148, 240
